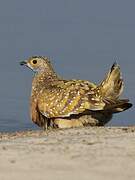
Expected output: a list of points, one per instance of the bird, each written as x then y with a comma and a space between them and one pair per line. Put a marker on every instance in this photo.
63, 103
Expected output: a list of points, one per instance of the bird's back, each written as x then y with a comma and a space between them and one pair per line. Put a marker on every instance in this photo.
63, 98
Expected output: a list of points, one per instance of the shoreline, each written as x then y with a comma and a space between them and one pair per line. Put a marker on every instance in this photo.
79, 153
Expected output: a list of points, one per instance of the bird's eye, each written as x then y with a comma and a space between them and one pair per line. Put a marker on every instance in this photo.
34, 61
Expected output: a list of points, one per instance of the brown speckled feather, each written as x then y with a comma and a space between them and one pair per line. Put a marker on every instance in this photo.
64, 98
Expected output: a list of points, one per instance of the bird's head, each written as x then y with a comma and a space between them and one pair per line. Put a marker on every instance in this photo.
38, 64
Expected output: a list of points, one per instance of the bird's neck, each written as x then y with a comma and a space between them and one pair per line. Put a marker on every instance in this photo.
43, 80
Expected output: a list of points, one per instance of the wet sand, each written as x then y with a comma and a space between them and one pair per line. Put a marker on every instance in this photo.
79, 154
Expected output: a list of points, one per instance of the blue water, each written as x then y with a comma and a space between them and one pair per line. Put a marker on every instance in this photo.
83, 39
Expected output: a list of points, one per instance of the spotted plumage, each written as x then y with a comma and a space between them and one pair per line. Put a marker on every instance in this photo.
53, 97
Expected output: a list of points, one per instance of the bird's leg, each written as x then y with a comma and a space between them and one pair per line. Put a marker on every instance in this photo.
52, 124
45, 124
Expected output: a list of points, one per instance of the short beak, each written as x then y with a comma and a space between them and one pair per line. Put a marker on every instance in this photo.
23, 63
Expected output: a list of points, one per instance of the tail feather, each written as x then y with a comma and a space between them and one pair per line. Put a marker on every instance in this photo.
121, 108
116, 104
106, 95
112, 86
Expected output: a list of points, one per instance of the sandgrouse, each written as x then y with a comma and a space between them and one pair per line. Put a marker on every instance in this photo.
56, 102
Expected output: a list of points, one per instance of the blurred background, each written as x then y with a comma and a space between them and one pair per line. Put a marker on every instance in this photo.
83, 39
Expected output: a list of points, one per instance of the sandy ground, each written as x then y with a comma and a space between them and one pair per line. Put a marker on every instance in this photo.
79, 154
